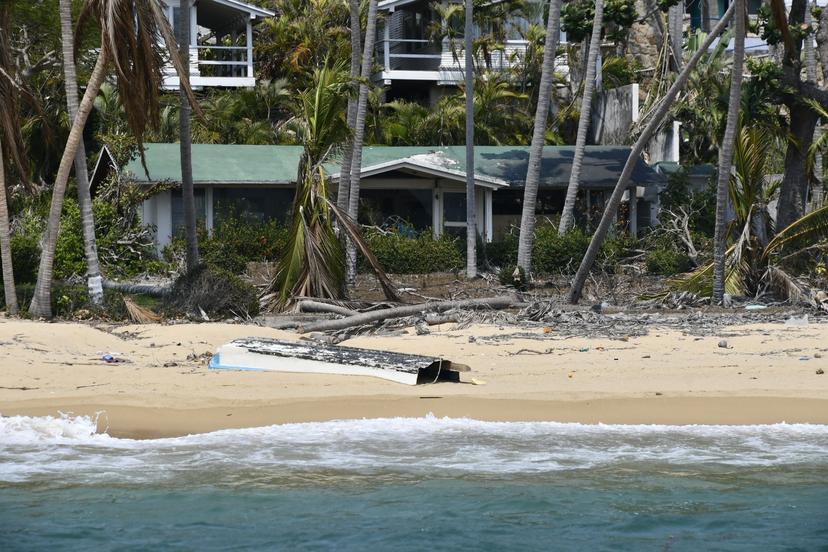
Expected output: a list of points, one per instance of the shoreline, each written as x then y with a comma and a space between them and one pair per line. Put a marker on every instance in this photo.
765, 373
137, 422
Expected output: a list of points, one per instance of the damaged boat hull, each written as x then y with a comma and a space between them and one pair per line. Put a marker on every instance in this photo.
267, 355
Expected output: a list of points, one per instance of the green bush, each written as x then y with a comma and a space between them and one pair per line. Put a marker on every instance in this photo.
553, 253
398, 254
216, 291
25, 257
667, 262
234, 243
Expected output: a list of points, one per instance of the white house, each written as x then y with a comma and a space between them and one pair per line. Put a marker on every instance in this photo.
422, 185
413, 63
221, 42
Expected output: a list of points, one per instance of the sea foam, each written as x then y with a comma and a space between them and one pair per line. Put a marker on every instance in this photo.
54, 448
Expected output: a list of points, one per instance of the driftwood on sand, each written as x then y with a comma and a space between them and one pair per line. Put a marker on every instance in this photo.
319, 307
408, 310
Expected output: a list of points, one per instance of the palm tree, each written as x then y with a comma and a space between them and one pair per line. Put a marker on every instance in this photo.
567, 215
313, 262
70, 78
359, 131
9, 289
185, 138
471, 203
129, 39
342, 196
726, 154
530, 192
11, 141
656, 121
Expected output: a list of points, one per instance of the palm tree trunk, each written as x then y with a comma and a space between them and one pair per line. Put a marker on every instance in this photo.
675, 19
90, 247
811, 73
359, 131
584, 118
342, 199
5, 244
471, 203
655, 123
41, 302
186, 142
530, 191
726, 155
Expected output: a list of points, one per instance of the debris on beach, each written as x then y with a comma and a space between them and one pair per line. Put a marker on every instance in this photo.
269, 355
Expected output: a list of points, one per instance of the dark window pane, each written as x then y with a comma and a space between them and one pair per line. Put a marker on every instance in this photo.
252, 204
454, 207
178, 209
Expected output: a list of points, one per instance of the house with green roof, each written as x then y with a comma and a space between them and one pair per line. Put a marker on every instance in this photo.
423, 186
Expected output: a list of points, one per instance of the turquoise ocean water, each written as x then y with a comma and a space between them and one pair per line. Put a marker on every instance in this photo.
415, 484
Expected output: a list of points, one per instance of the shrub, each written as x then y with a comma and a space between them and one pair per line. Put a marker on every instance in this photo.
554, 253
234, 243
667, 261
217, 292
398, 254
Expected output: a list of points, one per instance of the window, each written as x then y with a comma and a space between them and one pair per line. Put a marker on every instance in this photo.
178, 209
252, 205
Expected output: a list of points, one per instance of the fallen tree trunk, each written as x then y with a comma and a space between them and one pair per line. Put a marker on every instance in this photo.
408, 310
316, 306
138, 289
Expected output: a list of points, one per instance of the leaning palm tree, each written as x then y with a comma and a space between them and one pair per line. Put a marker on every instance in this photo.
656, 121
185, 140
726, 154
130, 40
359, 131
471, 203
313, 262
530, 191
567, 215
70, 78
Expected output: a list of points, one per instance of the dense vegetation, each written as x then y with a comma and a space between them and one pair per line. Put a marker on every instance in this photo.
310, 41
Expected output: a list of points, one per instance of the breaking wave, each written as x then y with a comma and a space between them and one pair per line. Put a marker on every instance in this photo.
71, 448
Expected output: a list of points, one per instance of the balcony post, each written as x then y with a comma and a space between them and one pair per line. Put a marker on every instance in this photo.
249, 48
386, 38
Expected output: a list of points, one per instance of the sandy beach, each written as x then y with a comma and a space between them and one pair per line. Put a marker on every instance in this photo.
767, 374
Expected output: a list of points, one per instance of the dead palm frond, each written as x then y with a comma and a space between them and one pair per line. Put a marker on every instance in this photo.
757, 257
136, 37
139, 314
11, 90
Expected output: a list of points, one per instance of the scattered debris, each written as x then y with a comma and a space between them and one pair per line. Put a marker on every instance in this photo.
797, 321
820, 371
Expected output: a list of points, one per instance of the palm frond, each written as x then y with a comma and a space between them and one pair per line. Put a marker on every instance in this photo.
354, 233
800, 234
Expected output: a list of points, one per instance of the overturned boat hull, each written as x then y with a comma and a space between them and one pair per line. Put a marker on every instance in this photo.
268, 355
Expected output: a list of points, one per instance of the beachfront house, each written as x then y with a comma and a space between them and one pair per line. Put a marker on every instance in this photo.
422, 187
415, 62
221, 42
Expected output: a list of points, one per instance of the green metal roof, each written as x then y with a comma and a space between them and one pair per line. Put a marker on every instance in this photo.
229, 164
